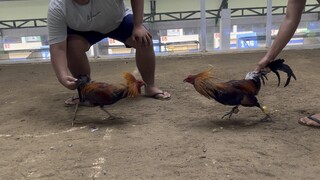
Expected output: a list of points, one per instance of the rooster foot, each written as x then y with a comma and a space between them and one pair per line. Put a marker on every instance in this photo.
234, 110
111, 117
266, 119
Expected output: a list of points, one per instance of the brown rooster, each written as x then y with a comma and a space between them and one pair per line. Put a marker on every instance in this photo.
238, 92
101, 93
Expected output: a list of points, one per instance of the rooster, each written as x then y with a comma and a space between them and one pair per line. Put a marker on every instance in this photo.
100, 93
239, 92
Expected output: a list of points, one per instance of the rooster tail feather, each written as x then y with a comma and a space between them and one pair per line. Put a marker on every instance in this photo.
278, 65
133, 89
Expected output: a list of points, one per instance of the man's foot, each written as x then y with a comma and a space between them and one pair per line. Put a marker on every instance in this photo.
160, 95
157, 94
312, 120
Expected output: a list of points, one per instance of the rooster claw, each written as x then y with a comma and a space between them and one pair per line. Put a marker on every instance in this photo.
234, 110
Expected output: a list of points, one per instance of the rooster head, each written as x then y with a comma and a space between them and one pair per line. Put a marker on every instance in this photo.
190, 79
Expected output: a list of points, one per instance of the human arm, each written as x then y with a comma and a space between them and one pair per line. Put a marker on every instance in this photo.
286, 31
57, 29
59, 63
139, 34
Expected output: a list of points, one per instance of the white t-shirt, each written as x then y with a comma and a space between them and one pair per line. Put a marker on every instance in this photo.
98, 15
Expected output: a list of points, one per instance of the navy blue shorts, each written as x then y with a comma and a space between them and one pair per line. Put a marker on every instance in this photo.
122, 33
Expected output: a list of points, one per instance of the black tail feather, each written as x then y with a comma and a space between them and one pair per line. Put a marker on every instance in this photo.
278, 65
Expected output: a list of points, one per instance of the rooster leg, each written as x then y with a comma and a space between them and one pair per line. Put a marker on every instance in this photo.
74, 115
111, 117
234, 110
264, 110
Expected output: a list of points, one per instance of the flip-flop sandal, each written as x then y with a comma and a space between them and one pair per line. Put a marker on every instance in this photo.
161, 96
311, 117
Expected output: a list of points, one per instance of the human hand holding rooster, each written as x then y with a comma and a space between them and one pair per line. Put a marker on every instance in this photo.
68, 82
262, 65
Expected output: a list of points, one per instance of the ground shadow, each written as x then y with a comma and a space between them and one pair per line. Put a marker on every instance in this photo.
209, 123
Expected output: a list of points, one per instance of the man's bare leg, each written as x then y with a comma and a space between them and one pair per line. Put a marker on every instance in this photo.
145, 60
78, 62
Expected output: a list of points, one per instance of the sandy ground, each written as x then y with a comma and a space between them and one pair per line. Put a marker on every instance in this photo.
183, 138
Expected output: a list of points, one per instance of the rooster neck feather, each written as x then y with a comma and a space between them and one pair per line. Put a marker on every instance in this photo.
206, 87
204, 75
132, 88
204, 84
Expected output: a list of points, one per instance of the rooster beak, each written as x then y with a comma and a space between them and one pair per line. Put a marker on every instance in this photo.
185, 80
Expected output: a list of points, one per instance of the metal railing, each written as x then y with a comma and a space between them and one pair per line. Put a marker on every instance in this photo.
23, 23
214, 14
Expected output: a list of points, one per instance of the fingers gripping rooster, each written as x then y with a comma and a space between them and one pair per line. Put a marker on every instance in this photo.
239, 92
100, 93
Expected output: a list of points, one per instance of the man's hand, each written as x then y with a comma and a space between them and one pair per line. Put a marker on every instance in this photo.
68, 82
262, 65
141, 36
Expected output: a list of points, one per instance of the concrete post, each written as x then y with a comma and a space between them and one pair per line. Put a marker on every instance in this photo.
203, 34
95, 51
225, 29
269, 23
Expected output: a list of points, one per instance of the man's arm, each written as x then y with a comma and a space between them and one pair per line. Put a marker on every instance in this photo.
139, 34
59, 61
57, 29
286, 31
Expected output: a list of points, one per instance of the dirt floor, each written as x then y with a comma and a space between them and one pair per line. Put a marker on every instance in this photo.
184, 138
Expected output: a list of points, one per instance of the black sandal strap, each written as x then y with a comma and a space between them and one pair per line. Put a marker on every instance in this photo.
314, 119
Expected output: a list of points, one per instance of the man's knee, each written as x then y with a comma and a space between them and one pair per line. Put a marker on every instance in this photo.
77, 43
138, 45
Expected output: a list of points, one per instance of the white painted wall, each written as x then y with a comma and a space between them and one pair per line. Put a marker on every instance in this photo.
29, 9
11, 10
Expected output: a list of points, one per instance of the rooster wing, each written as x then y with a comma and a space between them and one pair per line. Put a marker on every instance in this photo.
99, 93
235, 92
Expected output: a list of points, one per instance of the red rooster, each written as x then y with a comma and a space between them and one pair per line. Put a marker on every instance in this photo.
238, 92
101, 93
